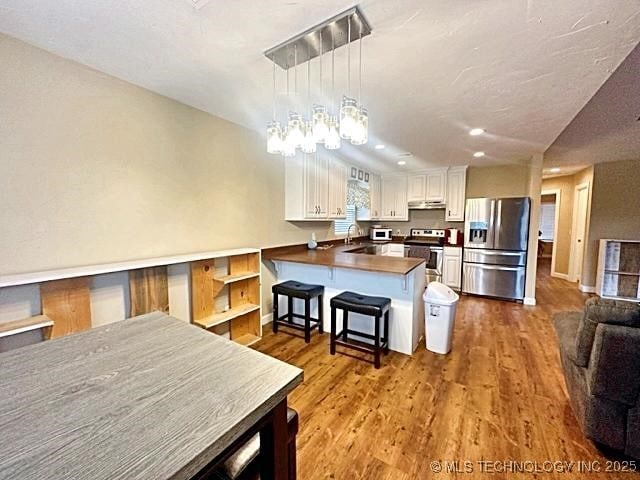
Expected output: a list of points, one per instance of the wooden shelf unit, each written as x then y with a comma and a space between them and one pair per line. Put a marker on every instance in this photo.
225, 296
619, 270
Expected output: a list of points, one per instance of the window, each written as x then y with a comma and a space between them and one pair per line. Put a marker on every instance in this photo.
547, 220
342, 225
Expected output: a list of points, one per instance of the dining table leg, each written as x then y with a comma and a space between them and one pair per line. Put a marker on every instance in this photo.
274, 454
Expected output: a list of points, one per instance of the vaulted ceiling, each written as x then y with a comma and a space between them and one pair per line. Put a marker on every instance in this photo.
521, 69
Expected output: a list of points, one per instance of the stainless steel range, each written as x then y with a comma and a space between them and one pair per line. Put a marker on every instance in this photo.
428, 244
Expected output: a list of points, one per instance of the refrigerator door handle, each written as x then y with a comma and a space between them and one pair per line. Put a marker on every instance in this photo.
496, 267
498, 223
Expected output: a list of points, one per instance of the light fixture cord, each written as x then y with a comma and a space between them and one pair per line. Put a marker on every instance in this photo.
333, 72
309, 79
295, 72
274, 88
321, 53
349, 56
360, 79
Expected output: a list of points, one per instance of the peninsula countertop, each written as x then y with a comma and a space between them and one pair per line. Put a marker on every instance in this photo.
339, 256
144, 398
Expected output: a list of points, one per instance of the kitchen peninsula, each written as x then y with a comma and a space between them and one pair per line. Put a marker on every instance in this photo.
344, 267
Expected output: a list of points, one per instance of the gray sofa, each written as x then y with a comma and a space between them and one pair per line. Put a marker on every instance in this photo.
600, 353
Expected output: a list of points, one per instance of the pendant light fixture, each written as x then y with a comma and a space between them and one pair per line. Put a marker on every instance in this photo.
320, 124
319, 112
274, 131
332, 141
360, 133
349, 106
309, 141
295, 124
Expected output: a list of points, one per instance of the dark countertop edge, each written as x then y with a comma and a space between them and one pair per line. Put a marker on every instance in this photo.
280, 258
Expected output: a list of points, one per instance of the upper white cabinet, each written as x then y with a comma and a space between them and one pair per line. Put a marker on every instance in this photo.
429, 186
416, 185
374, 197
337, 189
394, 198
315, 187
456, 193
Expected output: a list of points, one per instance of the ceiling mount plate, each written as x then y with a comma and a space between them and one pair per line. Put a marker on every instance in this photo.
306, 45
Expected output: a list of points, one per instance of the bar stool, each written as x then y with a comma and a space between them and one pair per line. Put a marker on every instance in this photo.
292, 289
376, 307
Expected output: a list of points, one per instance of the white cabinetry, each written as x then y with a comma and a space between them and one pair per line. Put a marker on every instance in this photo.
315, 187
456, 192
428, 186
394, 198
374, 212
337, 189
452, 267
395, 250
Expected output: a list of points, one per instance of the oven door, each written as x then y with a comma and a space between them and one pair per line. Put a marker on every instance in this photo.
433, 256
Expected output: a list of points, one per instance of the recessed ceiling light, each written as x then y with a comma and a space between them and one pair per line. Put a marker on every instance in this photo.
478, 154
402, 162
474, 132
554, 170
379, 147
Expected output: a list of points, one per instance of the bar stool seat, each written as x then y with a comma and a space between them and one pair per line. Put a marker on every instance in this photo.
244, 464
307, 292
358, 303
376, 307
291, 288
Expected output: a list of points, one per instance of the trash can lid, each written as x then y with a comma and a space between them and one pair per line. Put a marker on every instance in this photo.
440, 294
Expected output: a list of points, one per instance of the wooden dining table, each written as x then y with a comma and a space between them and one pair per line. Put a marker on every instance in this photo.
150, 397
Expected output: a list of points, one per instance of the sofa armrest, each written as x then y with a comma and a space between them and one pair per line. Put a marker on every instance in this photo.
599, 310
614, 366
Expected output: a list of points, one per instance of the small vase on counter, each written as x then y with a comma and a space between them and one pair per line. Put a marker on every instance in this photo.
312, 244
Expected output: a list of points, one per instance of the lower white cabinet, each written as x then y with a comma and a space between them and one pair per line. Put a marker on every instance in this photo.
452, 267
395, 250
315, 187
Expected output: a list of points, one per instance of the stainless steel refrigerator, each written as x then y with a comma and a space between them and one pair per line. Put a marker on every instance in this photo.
496, 234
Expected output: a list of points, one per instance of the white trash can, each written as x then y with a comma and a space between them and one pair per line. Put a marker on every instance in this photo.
440, 304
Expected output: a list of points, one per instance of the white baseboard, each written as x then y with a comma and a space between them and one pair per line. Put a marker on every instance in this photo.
563, 276
529, 301
586, 288
267, 318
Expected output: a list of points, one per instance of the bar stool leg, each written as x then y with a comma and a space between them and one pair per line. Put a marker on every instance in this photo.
345, 324
307, 320
376, 352
290, 307
332, 338
320, 314
386, 332
274, 324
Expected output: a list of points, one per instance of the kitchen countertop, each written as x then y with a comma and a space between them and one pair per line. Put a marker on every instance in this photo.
339, 257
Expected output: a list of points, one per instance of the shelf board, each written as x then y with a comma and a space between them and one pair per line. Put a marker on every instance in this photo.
218, 318
615, 272
247, 339
226, 279
26, 325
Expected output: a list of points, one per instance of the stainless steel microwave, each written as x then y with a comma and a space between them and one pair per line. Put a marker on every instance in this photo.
378, 234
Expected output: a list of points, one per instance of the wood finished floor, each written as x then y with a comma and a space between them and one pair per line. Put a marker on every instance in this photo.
499, 395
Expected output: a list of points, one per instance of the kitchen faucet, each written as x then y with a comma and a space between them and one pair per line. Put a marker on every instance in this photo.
348, 239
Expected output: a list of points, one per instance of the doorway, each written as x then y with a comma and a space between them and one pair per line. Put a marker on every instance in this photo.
548, 230
579, 230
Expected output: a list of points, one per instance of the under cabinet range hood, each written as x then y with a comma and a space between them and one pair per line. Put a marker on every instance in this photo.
424, 205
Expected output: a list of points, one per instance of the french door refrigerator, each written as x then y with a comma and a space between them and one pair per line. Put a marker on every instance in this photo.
496, 234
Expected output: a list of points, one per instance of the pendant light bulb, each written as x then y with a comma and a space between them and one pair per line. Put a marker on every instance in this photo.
332, 142
288, 148
274, 137
309, 142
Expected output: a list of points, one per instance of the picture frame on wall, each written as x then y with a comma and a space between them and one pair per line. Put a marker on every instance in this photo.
360, 175
354, 172
366, 177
